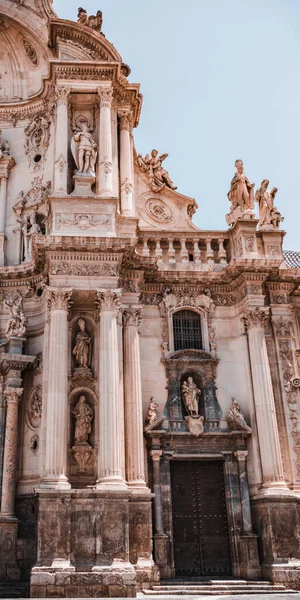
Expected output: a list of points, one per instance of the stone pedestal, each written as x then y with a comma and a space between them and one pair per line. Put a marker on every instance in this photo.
83, 185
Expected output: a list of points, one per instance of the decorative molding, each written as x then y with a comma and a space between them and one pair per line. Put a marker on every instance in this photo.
82, 221
58, 298
34, 411
13, 395
84, 269
109, 300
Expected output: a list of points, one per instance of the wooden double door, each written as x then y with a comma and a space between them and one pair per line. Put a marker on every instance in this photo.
200, 526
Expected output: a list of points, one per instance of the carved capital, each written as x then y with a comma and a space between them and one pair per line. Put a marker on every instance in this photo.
59, 298
132, 316
13, 395
6, 164
105, 95
62, 93
109, 300
156, 455
125, 120
241, 455
256, 318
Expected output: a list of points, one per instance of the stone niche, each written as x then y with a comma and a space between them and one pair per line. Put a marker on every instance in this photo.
201, 366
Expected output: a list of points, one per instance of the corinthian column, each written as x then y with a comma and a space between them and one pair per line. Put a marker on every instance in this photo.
12, 397
126, 175
110, 434
105, 175
267, 429
135, 472
57, 399
61, 141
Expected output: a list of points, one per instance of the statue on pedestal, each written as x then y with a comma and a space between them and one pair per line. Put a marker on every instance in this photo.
190, 395
158, 176
152, 416
84, 150
84, 415
82, 348
241, 191
269, 215
29, 227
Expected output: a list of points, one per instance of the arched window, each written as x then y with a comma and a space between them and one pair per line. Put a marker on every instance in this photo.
187, 330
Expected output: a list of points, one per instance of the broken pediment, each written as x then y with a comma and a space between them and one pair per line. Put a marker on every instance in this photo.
166, 211
74, 41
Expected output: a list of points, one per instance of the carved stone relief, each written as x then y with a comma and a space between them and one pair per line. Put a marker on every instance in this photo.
31, 52
235, 418
34, 411
82, 222
37, 135
158, 210
16, 325
84, 268
158, 177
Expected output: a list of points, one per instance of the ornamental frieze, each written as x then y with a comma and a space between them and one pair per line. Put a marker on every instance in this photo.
84, 269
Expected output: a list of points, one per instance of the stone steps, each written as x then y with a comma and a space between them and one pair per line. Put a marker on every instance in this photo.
214, 587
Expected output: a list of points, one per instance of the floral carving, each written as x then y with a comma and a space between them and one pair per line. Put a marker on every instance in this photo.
283, 327
82, 221
37, 135
58, 299
35, 407
85, 269
256, 318
158, 210
109, 300
106, 96
132, 315
30, 52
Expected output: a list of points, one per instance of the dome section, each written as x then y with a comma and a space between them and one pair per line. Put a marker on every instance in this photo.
23, 63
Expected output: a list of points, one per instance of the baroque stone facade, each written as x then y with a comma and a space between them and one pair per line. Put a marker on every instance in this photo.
143, 361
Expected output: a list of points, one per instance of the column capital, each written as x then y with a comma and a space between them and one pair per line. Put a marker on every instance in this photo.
256, 318
106, 96
62, 92
156, 455
6, 164
132, 315
241, 455
125, 117
13, 395
58, 298
109, 301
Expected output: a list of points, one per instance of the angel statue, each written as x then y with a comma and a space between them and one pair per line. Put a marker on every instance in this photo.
268, 213
84, 150
16, 325
235, 419
82, 348
241, 190
158, 176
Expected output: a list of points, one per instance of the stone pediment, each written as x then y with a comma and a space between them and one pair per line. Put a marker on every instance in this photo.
72, 41
166, 211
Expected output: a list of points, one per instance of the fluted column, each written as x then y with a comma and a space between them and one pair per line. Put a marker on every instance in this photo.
267, 429
105, 174
135, 471
241, 456
12, 397
110, 435
126, 175
61, 141
3, 194
57, 398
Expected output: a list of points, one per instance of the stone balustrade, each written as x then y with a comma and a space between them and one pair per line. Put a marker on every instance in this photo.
199, 251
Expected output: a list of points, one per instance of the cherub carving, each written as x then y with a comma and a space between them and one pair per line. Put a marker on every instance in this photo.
16, 325
84, 149
268, 213
158, 176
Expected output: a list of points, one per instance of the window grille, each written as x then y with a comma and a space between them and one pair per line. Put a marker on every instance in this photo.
187, 330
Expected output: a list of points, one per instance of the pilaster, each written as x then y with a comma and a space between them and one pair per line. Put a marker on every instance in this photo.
104, 174
60, 186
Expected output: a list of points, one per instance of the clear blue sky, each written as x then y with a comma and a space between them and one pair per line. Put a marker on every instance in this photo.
221, 80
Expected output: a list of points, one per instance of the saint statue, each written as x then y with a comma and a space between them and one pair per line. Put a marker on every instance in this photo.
235, 418
268, 213
190, 394
29, 228
84, 150
82, 348
158, 176
16, 325
241, 191
152, 412
84, 415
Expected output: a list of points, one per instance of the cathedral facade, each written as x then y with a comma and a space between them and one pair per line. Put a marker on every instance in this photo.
149, 370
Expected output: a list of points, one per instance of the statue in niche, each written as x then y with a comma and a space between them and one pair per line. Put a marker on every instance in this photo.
152, 416
241, 193
84, 149
158, 177
16, 325
82, 348
29, 227
84, 415
268, 213
235, 418
190, 395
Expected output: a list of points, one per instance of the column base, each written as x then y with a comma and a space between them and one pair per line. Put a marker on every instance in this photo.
111, 484
61, 483
274, 488
138, 487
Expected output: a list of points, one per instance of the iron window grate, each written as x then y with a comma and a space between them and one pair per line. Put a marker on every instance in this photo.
187, 330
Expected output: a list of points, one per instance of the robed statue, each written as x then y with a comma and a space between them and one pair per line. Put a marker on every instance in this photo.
84, 415
241, 190
84, 150
268, 213
82, 348
190, 394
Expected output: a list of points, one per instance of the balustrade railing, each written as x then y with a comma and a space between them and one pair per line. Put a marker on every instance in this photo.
172, 250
